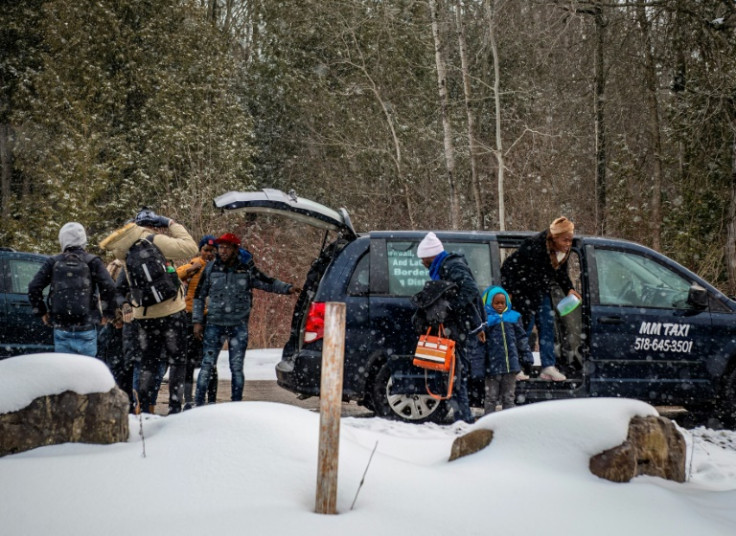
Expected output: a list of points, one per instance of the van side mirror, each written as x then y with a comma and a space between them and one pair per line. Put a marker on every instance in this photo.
697, 297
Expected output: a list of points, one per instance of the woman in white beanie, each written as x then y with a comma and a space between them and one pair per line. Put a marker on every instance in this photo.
467, 312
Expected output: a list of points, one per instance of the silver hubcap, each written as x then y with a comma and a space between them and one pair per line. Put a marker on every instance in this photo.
410, 407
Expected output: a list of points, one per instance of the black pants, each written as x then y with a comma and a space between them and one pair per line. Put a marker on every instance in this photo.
460, 401
163, 339
111, 349
500, 388
194, 360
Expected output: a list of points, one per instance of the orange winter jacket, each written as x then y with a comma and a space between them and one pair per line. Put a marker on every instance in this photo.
191, 280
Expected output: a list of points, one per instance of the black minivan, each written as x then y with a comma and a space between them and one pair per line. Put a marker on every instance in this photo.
648, 328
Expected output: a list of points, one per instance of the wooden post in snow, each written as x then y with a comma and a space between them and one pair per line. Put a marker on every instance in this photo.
330, 403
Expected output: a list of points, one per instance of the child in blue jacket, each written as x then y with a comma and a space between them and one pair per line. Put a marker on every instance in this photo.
506, 347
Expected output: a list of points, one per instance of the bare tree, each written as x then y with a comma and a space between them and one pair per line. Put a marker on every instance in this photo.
731, 224
600, 123
473, 146
498, 152
650, 82
444, 106
359, 64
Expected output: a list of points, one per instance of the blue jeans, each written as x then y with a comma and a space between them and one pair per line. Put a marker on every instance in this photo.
76, 342
237, 341
544, 317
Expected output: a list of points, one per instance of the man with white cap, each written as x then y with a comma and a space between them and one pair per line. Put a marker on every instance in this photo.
82, 293
466, 317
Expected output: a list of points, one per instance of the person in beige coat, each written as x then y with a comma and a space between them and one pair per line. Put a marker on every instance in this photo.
162, 326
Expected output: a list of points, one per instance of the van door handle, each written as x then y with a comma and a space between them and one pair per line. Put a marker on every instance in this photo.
610, 320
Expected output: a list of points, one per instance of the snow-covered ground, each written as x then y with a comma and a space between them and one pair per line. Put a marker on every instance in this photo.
251, 468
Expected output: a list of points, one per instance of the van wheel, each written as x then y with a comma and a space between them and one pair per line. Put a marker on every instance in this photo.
410, 408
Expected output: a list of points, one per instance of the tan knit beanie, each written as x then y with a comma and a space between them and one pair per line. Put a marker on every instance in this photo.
561, 226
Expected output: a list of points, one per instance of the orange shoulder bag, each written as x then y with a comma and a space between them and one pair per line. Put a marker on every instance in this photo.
436, 352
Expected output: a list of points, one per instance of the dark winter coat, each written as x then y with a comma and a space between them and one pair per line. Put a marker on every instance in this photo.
466, 308
103, 287
229, 288
507, 344
433, 305
528, 275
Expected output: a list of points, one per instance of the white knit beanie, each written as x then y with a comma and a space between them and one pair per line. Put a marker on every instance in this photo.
430, 246
72, 234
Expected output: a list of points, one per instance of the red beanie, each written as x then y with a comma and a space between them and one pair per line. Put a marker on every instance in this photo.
229, 238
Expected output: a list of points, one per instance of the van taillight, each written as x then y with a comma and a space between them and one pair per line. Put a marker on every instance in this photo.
314, 328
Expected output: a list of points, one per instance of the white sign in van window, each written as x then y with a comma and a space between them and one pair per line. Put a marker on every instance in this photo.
407, 275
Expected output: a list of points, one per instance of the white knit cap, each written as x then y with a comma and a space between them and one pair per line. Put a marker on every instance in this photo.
430, 246
72, 234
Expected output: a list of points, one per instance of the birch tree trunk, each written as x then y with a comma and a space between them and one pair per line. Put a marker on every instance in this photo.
473, 147
446, 126
650, 81
498, 152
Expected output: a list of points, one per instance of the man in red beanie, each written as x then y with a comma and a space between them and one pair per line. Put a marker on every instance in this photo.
226, 285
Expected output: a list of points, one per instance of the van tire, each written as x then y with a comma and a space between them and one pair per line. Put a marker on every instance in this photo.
408, 408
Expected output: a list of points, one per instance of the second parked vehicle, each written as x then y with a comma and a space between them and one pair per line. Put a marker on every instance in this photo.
21, 332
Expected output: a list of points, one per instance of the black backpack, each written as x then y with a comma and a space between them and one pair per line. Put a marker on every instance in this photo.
433, 304
150, 282
70, 295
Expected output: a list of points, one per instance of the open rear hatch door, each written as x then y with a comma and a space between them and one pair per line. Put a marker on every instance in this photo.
270, 201
275, 202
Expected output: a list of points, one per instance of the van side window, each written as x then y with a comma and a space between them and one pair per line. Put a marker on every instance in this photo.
360, 280
478, 255
633, 280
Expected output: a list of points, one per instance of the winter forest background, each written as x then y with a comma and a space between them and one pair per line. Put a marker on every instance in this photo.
425, 114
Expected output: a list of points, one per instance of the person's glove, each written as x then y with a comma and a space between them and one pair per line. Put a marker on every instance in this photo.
148, 218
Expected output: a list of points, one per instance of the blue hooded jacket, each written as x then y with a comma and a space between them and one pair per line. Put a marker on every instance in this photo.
507, 344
